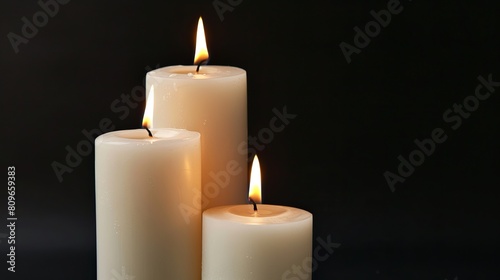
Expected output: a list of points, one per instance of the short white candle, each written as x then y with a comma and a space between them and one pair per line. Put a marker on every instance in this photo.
140, 183
240, 243
213, 102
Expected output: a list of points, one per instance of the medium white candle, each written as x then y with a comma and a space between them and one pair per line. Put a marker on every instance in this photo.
140, 183
213, 102
240, 243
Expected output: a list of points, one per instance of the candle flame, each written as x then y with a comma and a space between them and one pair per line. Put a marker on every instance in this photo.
201, 52
147, 120
254, 191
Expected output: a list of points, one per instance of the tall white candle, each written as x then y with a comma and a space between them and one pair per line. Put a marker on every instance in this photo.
213, 102
140, 183
241, 243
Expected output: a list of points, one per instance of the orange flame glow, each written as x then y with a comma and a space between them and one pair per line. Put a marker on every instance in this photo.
147, 120
254, 191
201, 52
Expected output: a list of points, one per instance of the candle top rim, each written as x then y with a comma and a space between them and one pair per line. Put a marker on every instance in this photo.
140, 135
189, 72
269, 214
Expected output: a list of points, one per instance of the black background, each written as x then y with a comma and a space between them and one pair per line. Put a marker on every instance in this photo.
353, 121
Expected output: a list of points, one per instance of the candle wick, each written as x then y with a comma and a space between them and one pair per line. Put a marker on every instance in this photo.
149, 131
199, 64
254, 205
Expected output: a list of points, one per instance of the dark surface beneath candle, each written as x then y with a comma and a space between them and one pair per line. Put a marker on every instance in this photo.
329, 127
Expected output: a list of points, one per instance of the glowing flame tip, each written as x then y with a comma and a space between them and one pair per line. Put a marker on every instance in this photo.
254, 191
147, 120
201, 52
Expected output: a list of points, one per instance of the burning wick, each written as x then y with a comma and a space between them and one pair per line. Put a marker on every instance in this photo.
199, 64
149, 131
254, 205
